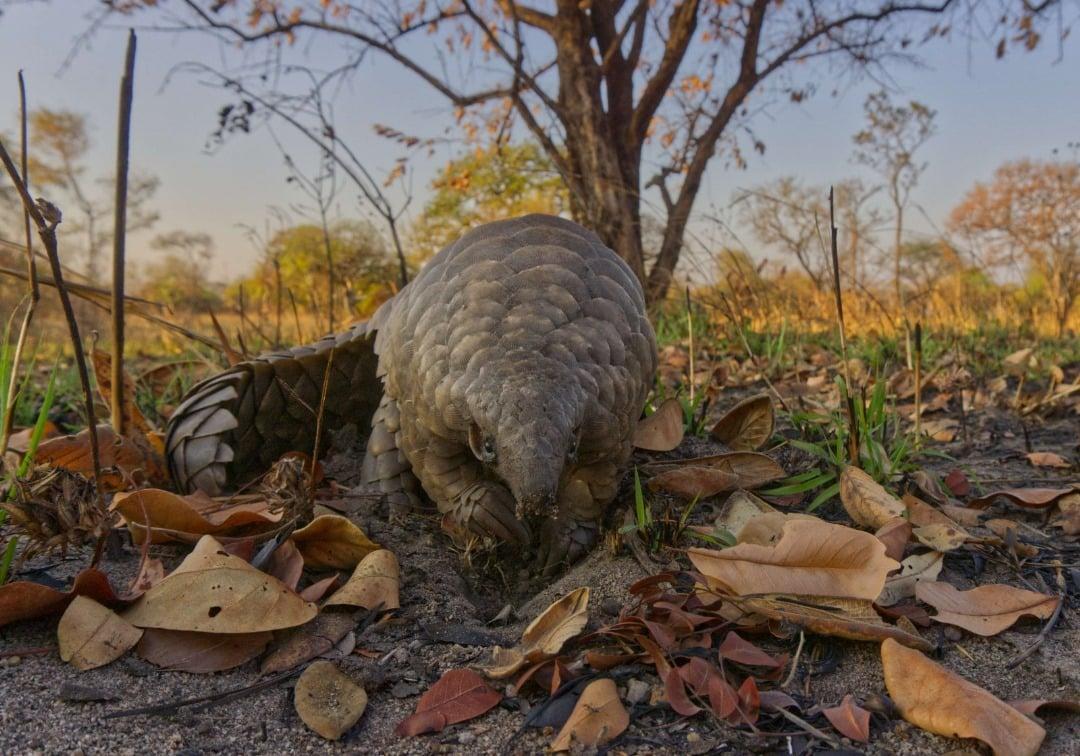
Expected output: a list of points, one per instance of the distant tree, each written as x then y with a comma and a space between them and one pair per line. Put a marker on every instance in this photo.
794, 218
622, 96
179, 276
1029, 215
59, 143
363, 263
487, 184
888, 143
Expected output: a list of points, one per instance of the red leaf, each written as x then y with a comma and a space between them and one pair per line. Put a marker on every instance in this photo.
459, 695
749, 703
24, 599
723, 699
742, 651
850, 720
958, 483
677, 698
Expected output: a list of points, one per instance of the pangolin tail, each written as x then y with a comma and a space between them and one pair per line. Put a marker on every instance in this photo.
233, 426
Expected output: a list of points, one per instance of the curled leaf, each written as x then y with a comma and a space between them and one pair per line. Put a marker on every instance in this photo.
545, 635
375, 582
171, 516
200, 653
915, 568
90, 635
333, 542
662, 430
1035, 498
850, 719
866, 502
748, 425
598, 717
701, 477
939, 701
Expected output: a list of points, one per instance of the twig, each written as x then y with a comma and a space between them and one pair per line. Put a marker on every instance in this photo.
46, 218
690, 334
1050, 623
123, 152
319, 418
918, 385
224, 696
749, 350
853, 428
794, 661
807, 727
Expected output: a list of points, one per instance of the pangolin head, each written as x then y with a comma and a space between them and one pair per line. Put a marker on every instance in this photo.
526, 426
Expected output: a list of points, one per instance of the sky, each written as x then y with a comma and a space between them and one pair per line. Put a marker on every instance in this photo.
988, 112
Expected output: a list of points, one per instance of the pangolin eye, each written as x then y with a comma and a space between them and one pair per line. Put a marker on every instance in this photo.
489, 449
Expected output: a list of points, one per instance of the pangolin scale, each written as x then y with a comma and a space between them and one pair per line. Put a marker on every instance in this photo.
503, 384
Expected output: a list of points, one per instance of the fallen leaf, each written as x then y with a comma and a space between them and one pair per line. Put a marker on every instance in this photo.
941, 429
171, 517
939, 701
895, 534
317, 590
333, 542
929, 486
131, 462
459, 695
748, 425
545, 635
865, 501
662, 430
200, 652
958, 483
19, 441
1031, 707
1020, 361
969, 518
91, 635
328, 701
1035, 498
986, 610
941, 537
739, 509
1068, 517
915, 568
701, 477
598, 718
24, 599
741, 651
376, 582
308, 641
855, 619
1048, 459
134, 420
213, 591
850, 719
919, 513
812, 558
286, 564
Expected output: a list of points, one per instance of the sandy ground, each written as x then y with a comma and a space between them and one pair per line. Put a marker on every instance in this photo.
439, 595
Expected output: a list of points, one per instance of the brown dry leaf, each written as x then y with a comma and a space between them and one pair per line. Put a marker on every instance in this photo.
172, 517
940, 429
23, 599
545, 635
598, 717
662, 430
841, 618
701, 477
1048, 459
1020, 361
215, 592
969, 518
19, 441
748, 425
1068, 517
915, 568
895, 534
866, 502
765, 529
317, 590
333, 542
850, 719
929, 486
200, 653
375, 582
1031, 706
812, 558
986, 610
459, 695
286, 564
131, 462
308, 641
743, 511
939, 701
940, 537
920, 513
328, 701
1035, 498
90, 635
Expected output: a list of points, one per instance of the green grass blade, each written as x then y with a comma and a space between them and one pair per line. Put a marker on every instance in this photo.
9, 555
39, 424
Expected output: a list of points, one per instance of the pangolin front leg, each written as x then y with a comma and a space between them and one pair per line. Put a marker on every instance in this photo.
569, 535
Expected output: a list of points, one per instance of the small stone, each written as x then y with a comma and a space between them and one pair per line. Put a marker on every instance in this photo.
637, 691
693, 737
466, 737
10, 661
404, 689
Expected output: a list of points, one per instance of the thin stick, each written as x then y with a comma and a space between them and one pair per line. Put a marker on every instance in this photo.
231, 694
123, 152
794, 662
46, 218
836, 289
319, 418
1050, 623
690, 333
7, 414
918, 385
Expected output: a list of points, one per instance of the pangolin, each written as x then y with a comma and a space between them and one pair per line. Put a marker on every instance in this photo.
503, 384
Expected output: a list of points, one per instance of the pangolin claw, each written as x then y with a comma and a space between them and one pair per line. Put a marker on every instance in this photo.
563, 542
488, 510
